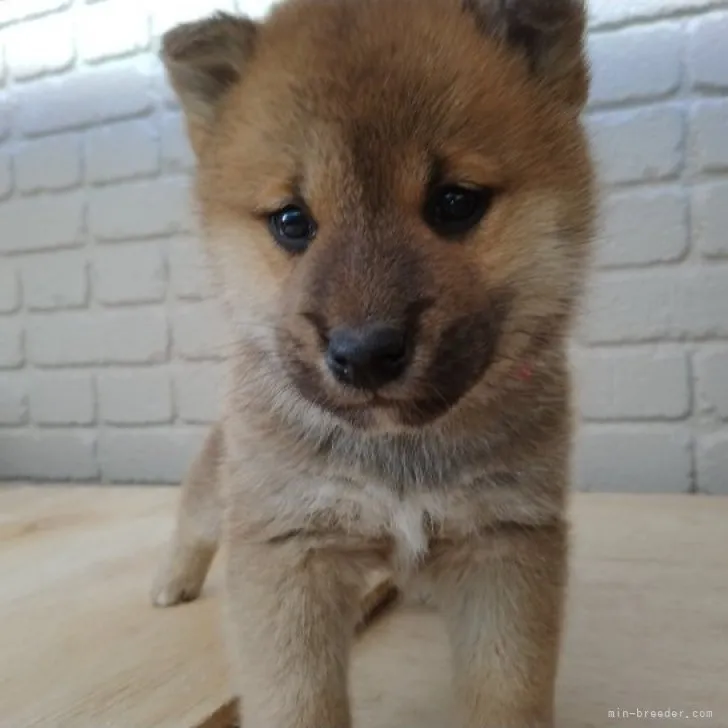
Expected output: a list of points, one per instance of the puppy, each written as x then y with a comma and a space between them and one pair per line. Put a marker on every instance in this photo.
397, 201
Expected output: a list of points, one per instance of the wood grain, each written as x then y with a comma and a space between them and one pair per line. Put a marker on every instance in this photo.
80, 647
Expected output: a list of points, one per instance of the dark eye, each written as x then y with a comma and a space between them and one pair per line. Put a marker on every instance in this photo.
453, 210
293, 228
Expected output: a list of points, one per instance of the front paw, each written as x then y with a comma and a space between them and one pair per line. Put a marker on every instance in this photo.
171, 587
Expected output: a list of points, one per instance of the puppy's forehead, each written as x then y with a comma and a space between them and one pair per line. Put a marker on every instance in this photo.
404, 66
353, 98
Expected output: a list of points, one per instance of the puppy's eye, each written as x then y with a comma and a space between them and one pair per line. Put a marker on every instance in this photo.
453, 210
293, 228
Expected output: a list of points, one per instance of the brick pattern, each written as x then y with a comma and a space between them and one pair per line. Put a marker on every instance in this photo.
110, 343
651, 354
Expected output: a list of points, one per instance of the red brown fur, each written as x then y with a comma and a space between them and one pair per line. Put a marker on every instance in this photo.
455, 474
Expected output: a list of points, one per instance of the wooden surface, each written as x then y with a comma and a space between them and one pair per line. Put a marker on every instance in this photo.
80, 647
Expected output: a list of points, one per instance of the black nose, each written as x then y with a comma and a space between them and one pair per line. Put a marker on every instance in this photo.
369, 357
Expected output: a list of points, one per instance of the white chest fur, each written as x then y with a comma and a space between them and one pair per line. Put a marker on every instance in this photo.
373, 510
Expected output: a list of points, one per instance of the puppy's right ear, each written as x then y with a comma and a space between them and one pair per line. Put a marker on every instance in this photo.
203, 59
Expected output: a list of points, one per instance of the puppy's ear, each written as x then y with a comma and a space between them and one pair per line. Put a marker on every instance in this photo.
203, 59
549, 33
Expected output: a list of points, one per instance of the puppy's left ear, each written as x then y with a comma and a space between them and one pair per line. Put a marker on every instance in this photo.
549, 33
204, 59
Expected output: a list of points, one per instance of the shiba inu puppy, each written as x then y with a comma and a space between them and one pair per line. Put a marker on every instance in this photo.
397, 199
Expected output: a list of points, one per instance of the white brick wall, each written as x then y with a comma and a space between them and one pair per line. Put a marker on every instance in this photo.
110, 345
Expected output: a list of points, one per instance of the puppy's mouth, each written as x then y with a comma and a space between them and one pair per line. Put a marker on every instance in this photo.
429, 385
377, 400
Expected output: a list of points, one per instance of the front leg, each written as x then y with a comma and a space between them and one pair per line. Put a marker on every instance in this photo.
197, 528
291, 614
502, 599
